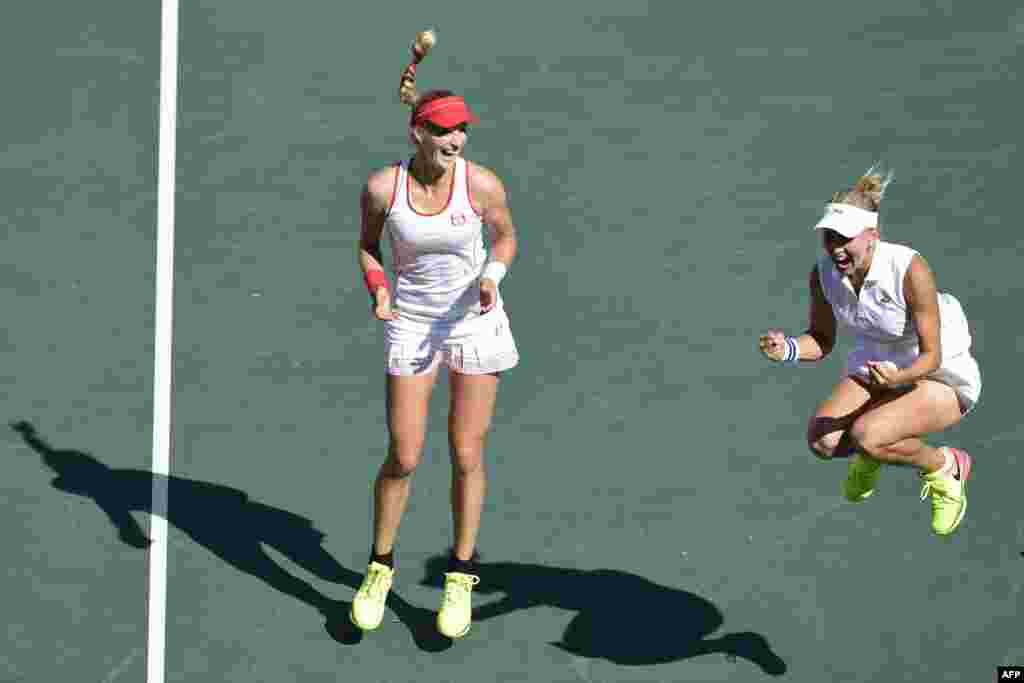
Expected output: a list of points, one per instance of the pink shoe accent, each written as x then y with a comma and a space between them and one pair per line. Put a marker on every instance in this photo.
963, 462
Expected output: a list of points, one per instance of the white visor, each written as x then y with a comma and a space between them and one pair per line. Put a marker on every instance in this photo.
849, 221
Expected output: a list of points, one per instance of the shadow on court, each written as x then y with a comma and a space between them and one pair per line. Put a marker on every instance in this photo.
236, 529
231, 526
621, 617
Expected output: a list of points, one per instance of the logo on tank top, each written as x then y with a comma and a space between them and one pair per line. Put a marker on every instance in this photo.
458, 218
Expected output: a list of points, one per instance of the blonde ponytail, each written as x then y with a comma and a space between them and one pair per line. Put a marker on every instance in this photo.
421, 46
868, 191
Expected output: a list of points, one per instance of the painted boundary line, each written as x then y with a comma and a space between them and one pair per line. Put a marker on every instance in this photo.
163, 349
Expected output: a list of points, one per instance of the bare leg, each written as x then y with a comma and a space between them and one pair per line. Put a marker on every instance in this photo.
408, 400
826, 430
471, 410
891, 432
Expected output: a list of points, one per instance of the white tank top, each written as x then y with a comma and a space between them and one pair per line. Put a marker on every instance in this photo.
437, 258
880, 318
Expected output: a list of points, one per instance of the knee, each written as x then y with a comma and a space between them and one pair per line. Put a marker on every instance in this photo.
467, 454
864, 439
403, 458
824, 446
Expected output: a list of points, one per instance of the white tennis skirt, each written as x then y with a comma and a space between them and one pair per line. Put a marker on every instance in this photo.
478, 346
961, 373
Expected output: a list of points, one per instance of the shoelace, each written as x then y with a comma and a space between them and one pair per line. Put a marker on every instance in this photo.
940, 497
457, 587
375, 581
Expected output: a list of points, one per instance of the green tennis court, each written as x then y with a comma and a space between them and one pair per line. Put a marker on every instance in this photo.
653, 512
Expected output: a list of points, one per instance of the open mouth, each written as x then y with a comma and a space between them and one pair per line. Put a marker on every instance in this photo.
841, 261
449, 153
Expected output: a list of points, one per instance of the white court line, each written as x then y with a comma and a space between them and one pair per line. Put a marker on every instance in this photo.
163, 347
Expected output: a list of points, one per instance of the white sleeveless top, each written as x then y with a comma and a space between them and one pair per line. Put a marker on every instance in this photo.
880, 318
437, 258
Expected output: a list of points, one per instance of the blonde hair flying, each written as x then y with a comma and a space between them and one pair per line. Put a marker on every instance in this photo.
421, 46
869, 189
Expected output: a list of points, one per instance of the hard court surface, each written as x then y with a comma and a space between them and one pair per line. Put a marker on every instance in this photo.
653, 512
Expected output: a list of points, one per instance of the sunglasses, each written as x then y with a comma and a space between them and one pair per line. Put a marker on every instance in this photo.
439, 132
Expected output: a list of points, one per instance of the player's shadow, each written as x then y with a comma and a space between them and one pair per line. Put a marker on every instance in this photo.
231, 526
621, 617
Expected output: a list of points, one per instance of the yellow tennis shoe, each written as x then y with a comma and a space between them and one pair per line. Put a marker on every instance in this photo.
861, 477
368, 605
456, 613
949, 493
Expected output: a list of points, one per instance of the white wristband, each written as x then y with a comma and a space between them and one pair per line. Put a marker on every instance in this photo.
495, 270
792, 356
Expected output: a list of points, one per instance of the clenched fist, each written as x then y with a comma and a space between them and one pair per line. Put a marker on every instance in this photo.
773, 345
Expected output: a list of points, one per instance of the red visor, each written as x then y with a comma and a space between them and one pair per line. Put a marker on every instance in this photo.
445, 112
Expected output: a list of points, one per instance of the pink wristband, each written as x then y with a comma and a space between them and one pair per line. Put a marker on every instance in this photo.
375, 278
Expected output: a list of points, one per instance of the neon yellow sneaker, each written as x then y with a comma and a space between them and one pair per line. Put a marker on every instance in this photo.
949, 493
368, 606
456, 613
861, 477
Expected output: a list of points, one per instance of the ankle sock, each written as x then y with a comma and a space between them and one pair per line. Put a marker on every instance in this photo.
461, 566
388, 559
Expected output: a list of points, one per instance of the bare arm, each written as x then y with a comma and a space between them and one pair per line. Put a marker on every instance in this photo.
820, 338
373, 206
374, 202
488, 193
